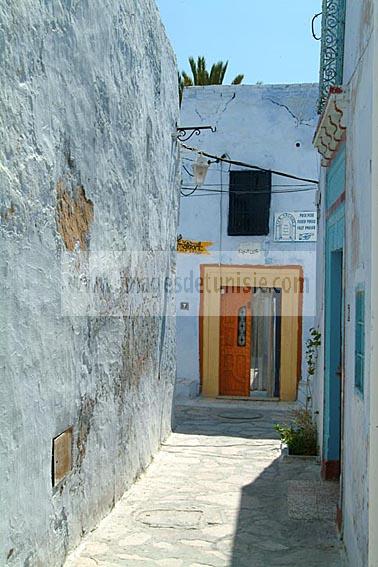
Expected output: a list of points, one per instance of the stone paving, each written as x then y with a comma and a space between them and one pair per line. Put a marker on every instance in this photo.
219, 494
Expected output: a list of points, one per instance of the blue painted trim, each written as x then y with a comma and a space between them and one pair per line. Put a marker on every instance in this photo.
336, 177
359, 337
334, 308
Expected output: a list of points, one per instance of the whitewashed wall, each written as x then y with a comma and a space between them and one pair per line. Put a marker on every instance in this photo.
262, 125
88, 99
358, 78
358, 83
373, 358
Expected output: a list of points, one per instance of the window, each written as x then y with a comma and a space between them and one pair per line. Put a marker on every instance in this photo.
242, 327
249, 208
359, 351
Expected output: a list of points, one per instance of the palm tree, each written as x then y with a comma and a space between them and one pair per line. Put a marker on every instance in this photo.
201, 76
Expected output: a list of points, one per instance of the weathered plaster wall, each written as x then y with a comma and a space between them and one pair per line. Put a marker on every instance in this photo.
358, 79
373, 358
358, 75
87, 167
318, 380
260, 125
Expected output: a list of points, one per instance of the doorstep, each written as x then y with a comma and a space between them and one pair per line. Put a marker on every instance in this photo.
248, 398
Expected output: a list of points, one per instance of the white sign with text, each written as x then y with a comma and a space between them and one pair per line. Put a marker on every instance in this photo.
295, 226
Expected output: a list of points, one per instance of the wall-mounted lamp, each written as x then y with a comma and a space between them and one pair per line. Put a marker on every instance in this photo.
200, 168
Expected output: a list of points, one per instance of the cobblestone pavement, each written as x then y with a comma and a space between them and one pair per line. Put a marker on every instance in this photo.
218, 494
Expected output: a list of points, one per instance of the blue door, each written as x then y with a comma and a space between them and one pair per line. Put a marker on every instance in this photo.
334, 308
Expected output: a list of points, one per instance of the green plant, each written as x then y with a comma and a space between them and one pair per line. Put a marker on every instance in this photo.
312, 349
201, 76
300, 434
312, 345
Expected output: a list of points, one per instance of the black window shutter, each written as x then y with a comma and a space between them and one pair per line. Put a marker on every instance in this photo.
249, 207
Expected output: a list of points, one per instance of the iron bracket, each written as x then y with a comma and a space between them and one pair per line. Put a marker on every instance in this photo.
185, 133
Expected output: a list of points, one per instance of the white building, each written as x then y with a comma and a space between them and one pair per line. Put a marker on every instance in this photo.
253, 232
346, 388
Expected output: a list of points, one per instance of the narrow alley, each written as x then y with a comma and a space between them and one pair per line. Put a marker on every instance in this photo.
220, 493
188, 236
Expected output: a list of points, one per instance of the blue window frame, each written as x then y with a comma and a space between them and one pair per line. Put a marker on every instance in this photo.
359, 350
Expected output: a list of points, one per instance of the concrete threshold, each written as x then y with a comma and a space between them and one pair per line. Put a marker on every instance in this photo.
249, 398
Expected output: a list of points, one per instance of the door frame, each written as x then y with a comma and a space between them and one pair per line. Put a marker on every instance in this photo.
333, 393
289, 279
333, 401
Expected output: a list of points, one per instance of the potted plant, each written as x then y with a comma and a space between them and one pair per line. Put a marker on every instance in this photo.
300, 435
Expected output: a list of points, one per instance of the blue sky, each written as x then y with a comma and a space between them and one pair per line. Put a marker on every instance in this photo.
267, 40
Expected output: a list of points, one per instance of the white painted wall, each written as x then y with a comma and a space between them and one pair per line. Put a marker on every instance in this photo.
358, 81
373, 362
88, 97
259, 125
358, 78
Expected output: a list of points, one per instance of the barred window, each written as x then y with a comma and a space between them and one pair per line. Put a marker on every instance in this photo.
249, 207
359, 352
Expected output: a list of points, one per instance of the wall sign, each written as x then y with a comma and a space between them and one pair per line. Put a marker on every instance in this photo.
249, 249
193, 246
295, 226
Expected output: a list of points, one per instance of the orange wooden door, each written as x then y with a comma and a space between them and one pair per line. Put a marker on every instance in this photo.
235, 341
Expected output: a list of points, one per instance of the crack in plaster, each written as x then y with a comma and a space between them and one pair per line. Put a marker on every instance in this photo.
84, 426
298, 120
220, 112
199, 115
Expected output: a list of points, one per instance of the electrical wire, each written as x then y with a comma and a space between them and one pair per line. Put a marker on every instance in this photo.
188, 194
247, 165
220, 191
305, 185
187, 171
205, 194
218, 169
313, 26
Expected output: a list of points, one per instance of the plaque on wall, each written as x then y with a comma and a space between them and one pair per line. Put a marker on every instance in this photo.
295, 226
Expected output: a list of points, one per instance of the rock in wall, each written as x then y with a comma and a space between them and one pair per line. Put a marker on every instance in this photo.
88, 180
